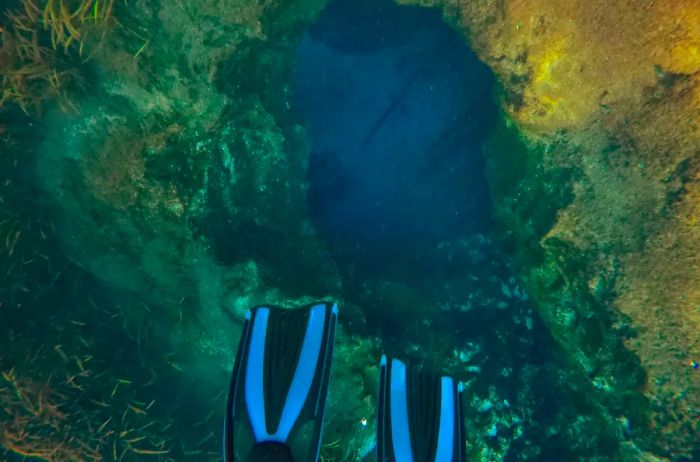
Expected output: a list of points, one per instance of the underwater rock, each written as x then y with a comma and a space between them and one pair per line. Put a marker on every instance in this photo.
177, 191
168, 185
605, 97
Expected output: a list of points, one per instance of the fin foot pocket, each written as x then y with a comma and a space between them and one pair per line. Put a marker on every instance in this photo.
270, 452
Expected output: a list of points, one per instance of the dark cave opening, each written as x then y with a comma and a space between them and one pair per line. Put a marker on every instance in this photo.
397, 107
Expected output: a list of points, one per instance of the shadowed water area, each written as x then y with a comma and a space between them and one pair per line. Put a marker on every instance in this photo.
397, 109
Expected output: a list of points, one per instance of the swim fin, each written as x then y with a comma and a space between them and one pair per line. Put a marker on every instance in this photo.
419, 416
279, 384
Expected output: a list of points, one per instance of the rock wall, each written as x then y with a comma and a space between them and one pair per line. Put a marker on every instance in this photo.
605, 100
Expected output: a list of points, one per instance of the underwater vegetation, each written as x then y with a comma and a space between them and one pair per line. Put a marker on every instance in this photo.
521, 212
607, 95
36, 56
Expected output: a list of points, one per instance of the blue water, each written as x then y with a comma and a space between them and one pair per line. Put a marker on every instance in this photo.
397, 108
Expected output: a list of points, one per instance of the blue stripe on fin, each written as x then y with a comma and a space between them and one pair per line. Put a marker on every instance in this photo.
327, 356
330, 341
301, 382
446, 433
400, 436
254, 400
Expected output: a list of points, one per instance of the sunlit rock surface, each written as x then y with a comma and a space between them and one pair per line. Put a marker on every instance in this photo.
608, 94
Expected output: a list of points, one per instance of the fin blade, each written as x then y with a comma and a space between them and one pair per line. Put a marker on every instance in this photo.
419, 416
280, 382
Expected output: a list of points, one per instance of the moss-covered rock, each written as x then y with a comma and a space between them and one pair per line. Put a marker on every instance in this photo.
607, 96
178, 187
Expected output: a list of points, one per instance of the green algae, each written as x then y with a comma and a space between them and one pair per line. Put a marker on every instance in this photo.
144, 236
527, 201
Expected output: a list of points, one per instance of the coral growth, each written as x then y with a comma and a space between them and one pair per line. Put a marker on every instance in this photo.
607, 92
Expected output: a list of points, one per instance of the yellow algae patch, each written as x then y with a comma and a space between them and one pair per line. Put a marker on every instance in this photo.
543, 73
546, 81
682, 56
682, 24
563, 61
685, 57
549, 100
